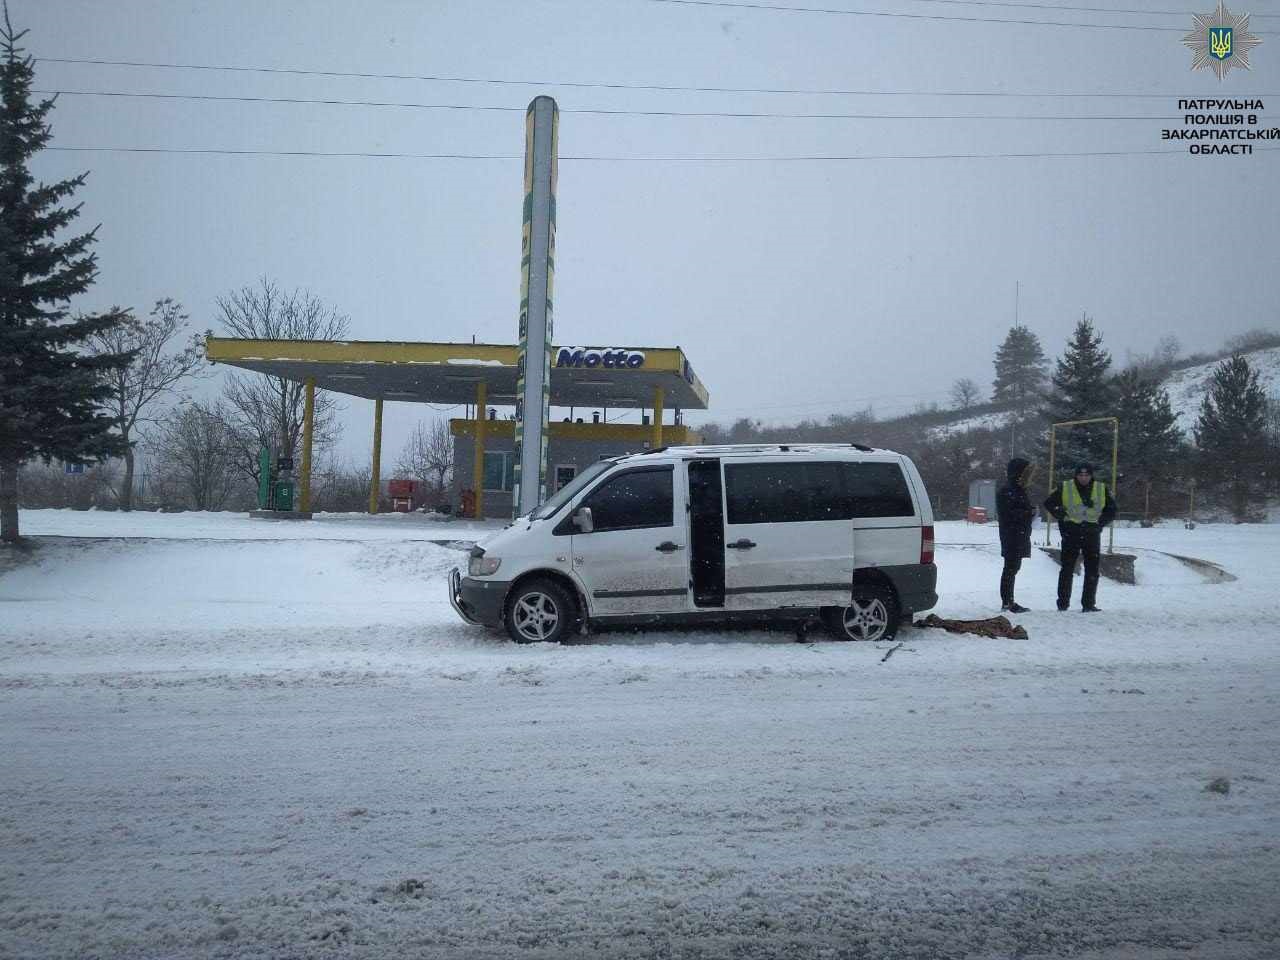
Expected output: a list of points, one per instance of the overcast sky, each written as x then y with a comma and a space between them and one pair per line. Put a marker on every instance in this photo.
797, 288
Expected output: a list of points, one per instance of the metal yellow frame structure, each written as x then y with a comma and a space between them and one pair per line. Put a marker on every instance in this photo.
479, 373
1115, 470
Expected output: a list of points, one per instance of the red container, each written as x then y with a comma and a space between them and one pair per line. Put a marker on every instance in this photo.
977, 515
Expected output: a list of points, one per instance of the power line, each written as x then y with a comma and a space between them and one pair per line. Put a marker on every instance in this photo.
934, 17
201, 151
808, 404
737, 115
603, 85
196, 151
1055, 7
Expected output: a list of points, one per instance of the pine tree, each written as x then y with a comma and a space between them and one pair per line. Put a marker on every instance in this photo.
1151, 443
50, 394
1020, 380
1231, 434
1081, 390
1020, 371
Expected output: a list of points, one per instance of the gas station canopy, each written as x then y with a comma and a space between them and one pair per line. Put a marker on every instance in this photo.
617, 377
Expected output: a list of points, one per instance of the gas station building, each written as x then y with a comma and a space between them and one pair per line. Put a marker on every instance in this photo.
589, 382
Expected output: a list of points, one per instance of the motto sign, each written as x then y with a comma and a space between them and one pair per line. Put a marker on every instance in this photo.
607, 357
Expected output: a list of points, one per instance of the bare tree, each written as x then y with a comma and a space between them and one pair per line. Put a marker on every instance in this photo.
341, 488
428, 455
267, 411
48, 485
193, 454
154, 371
965, 392
1159, 361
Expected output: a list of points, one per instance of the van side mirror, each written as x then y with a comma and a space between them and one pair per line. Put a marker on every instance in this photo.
582, 520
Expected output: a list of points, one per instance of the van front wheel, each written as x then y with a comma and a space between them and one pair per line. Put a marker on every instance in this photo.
539, 611
873, 615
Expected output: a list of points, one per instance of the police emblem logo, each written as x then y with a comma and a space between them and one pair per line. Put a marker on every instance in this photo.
1220, 41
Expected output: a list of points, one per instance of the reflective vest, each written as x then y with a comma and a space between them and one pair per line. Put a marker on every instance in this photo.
1076, 509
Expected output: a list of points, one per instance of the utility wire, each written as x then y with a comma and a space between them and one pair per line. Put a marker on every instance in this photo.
737, 115
935, 17
1055, 7
606, 159
603, 85
932, 17
840, 401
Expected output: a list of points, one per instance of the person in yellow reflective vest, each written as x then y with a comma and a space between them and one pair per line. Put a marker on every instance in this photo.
1082, 506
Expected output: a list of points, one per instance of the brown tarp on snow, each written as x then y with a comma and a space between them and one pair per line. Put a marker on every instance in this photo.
992, 627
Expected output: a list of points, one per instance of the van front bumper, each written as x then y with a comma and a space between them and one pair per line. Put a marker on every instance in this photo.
477, 601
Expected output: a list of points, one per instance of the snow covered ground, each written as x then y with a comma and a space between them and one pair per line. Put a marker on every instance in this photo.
197, 525
231, 739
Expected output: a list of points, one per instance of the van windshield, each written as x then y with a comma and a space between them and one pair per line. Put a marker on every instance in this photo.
570, 490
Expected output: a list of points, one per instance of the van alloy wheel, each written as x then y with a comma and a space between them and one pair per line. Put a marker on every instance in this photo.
865, 619
872, 615
540, 611
535, 616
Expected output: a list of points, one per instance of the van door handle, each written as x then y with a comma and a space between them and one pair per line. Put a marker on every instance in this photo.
743, 544
666, 546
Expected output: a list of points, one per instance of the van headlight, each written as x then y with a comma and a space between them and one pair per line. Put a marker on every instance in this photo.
483, 566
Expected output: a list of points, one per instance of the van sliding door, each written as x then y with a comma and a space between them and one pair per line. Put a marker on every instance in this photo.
788, 535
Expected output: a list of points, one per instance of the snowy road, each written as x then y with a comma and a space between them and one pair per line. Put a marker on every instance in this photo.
224, 748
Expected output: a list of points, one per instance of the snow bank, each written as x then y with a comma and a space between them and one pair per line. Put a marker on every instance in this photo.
227, 525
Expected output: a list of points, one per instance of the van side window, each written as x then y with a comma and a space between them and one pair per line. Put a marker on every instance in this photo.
633, 501
878, 490
784, 492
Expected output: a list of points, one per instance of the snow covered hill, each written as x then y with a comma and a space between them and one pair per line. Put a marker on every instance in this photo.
1186, 391
1188, 387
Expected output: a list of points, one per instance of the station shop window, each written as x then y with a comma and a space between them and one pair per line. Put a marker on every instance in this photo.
499, 471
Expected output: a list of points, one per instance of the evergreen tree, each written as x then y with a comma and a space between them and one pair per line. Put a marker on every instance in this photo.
1231, 434
1020, 371
1081, 390
1151, 443
50, 394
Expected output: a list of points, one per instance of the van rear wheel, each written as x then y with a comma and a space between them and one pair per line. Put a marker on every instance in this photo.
540, 611
873, 615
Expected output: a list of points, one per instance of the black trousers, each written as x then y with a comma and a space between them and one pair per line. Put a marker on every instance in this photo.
1080, 539
1007, 578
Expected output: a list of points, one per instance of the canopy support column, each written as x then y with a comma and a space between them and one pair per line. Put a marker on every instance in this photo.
477, 467
375, 479
657, 418
308, 418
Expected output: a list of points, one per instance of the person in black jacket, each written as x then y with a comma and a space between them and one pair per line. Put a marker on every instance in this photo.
1016, 515
1082, 507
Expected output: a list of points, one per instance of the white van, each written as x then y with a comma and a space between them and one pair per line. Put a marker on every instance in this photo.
714, 533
